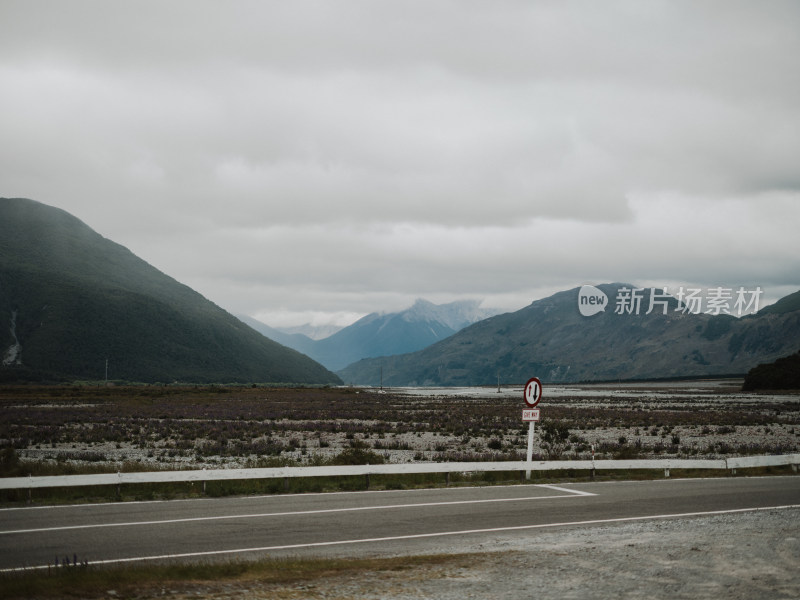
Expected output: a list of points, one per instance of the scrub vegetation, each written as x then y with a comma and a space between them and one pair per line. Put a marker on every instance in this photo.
46, 430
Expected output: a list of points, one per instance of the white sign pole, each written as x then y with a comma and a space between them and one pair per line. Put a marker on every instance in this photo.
531, 394
531, 427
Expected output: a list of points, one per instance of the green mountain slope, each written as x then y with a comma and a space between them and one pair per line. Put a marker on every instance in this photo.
552, 340
70, 299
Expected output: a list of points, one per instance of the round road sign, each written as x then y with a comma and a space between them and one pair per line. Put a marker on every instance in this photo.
533, 392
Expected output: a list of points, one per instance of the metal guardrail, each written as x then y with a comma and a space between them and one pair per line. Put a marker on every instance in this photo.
203, 475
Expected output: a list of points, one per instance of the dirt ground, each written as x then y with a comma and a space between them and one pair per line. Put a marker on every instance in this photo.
245, 427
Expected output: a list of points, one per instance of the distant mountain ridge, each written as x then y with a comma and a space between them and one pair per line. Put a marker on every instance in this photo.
384, 334
314, 332
71, 299
296, 341
552, 340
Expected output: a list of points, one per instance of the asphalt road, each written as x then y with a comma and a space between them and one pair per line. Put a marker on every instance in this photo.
360, 523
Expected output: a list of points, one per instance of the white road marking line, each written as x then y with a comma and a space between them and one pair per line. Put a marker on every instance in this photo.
415, 536
572, 494
421, 490
267, 496
568, 490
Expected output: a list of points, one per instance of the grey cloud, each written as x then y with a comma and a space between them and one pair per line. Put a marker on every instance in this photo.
391, 150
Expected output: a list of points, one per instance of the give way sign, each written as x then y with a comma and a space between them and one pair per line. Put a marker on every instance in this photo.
533, 392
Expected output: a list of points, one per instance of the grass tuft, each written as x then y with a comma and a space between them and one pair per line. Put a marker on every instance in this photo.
145, 580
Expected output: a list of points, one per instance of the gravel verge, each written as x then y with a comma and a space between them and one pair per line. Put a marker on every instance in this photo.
752, 555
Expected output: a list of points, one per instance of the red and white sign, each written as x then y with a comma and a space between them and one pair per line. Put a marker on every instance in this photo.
533, 392
530, 414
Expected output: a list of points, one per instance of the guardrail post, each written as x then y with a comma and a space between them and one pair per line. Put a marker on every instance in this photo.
204, 481
666, 472
447, 479
119, 484
30, 488
366, 477
794, 467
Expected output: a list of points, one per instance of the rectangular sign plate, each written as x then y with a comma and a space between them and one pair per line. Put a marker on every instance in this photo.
530, 414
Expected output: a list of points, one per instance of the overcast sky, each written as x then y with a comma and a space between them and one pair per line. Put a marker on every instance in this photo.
299, 161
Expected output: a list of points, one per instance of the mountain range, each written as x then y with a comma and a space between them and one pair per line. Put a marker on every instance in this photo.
72, 302
383, 334
553, 340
